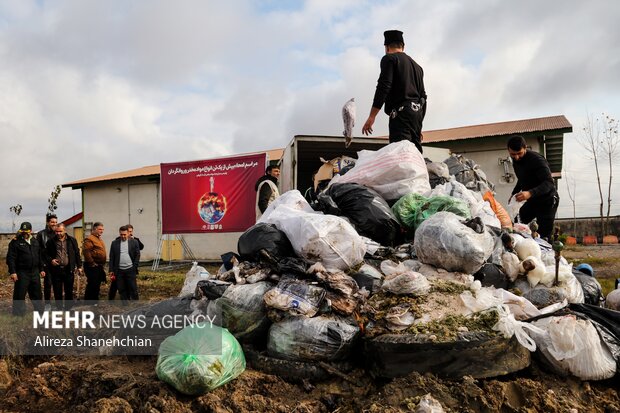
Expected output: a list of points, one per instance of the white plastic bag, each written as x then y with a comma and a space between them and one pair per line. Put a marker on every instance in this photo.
393, 171
317, 237
445, 242
195, 274
429, 405
510, 264
509, 326
484, 298
293, 199
567, 281
513, 208
574, 346
527, 247
400, 279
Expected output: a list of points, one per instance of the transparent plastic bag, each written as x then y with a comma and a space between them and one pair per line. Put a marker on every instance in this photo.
199, 359
292, 199
241, 310
298, 297
317, 237
393, 171
322, 338
195, 274
445, 242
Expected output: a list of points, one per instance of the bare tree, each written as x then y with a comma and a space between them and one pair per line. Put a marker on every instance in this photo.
15, 210
51, 207
610, 151
590, 140
572, 185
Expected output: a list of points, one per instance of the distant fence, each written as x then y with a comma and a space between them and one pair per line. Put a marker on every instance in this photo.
588, 226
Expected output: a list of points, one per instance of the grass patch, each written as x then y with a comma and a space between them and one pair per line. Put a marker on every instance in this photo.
596, 261
607, 285
160, 284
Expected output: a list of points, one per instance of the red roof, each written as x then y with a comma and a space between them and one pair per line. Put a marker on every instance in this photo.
499, 129
73, 219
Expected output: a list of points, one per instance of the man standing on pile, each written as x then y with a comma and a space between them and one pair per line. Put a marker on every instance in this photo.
401, 88
43, 237
534, 185
24, 259
266, 189
94, 260
124, 260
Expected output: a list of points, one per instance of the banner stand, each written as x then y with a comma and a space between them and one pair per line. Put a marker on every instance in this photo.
187, 252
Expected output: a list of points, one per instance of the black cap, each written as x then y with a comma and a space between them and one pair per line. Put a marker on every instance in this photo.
25, 227
393, 36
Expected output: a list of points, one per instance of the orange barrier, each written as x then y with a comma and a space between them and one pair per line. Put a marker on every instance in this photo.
589, 240
571, 241
610, 239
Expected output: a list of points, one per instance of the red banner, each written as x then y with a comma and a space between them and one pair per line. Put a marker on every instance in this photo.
215, 195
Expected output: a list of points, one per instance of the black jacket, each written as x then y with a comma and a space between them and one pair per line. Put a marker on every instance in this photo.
115, 253
73, 252
24, 257
43, 236
533, 175
401, 80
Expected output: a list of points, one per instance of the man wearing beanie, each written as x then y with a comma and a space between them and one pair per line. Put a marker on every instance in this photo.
24, 259
401, 88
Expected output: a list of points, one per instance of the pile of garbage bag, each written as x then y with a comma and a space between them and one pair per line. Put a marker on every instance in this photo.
440, 282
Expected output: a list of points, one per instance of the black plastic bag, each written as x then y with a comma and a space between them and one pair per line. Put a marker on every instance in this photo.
264, 236
369, 213
592, 290
211, 289
492, 275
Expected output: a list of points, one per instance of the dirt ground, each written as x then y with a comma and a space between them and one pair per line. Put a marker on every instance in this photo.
129, 384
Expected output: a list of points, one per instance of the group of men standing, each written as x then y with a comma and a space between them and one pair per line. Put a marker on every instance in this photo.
55, 256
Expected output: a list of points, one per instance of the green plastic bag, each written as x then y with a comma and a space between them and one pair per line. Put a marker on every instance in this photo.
413, 209
199, 358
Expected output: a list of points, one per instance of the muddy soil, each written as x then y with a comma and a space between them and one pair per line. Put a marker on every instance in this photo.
121, 384
129, 384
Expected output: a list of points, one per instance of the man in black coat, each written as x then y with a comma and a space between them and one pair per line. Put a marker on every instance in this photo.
534, 185
124, 261
62, 255
25, 261
401, 88
43, 236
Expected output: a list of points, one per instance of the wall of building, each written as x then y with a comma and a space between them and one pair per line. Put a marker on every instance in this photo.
136, 201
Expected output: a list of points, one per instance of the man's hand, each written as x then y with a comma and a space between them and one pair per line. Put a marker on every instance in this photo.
367, 128
14, 277
112, 276
55, 262
42, 274
523, 196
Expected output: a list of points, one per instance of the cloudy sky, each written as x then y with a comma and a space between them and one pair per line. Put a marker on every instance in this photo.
90, 87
